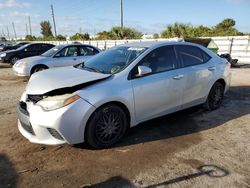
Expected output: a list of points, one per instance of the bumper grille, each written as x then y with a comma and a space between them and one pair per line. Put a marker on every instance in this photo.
55, 134
28, 128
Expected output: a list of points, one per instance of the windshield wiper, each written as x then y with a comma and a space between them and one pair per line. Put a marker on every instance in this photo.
92, 69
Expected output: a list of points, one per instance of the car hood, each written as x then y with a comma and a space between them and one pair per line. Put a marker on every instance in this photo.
34, 59
61, 80
9, 51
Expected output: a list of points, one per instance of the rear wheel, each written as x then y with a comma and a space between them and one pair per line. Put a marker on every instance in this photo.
215, 97
13, 60
106, 126
38, 68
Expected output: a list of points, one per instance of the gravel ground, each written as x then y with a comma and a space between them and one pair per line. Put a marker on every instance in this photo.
192, 148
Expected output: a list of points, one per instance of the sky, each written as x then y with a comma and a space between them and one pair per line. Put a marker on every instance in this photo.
93, 16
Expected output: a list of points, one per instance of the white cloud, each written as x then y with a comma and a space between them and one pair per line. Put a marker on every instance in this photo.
19, 14
13, 4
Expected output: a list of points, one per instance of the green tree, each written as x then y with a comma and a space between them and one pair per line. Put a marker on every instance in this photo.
60, 37
226, 28
79, 36
30, 38
104, 35
156, 36
118, 33
46, 30
3, 39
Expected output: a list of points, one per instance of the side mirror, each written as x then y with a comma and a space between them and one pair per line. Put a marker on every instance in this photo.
143, 70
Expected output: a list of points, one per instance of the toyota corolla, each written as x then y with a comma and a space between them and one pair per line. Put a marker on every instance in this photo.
98, 100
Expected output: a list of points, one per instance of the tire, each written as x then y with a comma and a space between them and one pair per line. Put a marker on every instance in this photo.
38, 68
13, 60
106, 126
215, 97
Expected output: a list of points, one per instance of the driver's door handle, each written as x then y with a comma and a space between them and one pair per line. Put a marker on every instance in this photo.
178, 77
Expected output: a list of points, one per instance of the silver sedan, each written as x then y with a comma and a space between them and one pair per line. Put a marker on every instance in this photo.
59, 56
97, 101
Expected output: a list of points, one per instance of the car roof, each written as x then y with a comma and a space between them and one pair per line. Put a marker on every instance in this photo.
151, 44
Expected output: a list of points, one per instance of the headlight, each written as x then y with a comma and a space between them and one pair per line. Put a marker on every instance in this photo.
3, 55
21, 64
53, 103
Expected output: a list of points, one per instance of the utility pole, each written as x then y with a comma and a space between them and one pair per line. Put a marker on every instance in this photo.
30, 27
121, 14
27, 33
53, 17
13, 25
8, 33
80, 30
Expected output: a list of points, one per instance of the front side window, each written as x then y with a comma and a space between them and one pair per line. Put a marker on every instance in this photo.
113, 60
52, 51
160, 59
67, 52
191, 55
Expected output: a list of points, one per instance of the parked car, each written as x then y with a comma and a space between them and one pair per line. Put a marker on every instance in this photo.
59, 56
28, 50
12, 47
97, 101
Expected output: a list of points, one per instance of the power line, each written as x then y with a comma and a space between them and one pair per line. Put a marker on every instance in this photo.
53, 17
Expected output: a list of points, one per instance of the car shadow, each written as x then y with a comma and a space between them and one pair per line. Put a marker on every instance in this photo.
211, 171
8, 174
196, 119
236, 104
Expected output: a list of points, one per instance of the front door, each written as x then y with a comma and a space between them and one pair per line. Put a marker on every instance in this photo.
68, 56
159, 92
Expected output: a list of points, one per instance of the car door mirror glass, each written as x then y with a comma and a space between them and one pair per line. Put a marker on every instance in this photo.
143, 70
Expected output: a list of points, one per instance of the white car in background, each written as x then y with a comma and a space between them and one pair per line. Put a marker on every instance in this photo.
98, 100
59, 56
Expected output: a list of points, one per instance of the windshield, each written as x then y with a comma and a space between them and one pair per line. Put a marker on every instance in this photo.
113, 60
52, 51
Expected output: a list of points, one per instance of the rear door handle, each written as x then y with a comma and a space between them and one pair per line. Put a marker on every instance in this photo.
74, 59
178, 77
211, 68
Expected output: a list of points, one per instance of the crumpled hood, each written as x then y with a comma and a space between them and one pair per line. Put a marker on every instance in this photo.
59, 78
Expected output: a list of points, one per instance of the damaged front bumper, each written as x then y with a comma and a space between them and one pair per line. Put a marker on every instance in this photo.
64, 125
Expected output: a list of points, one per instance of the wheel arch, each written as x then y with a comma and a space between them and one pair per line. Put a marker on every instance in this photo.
37, 65
118, 103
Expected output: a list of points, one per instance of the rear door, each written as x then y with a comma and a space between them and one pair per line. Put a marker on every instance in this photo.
197, 70
161, 91
30, 50
68, 56
85, 52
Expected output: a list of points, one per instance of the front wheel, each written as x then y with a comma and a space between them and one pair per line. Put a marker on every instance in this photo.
13, 60
38, 68
106, 126
215, 97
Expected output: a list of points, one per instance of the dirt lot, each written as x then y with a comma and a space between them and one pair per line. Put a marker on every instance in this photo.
193, 148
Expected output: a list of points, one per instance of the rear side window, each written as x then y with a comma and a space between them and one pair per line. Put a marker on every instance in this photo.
191, 55
87, 50
161, 59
